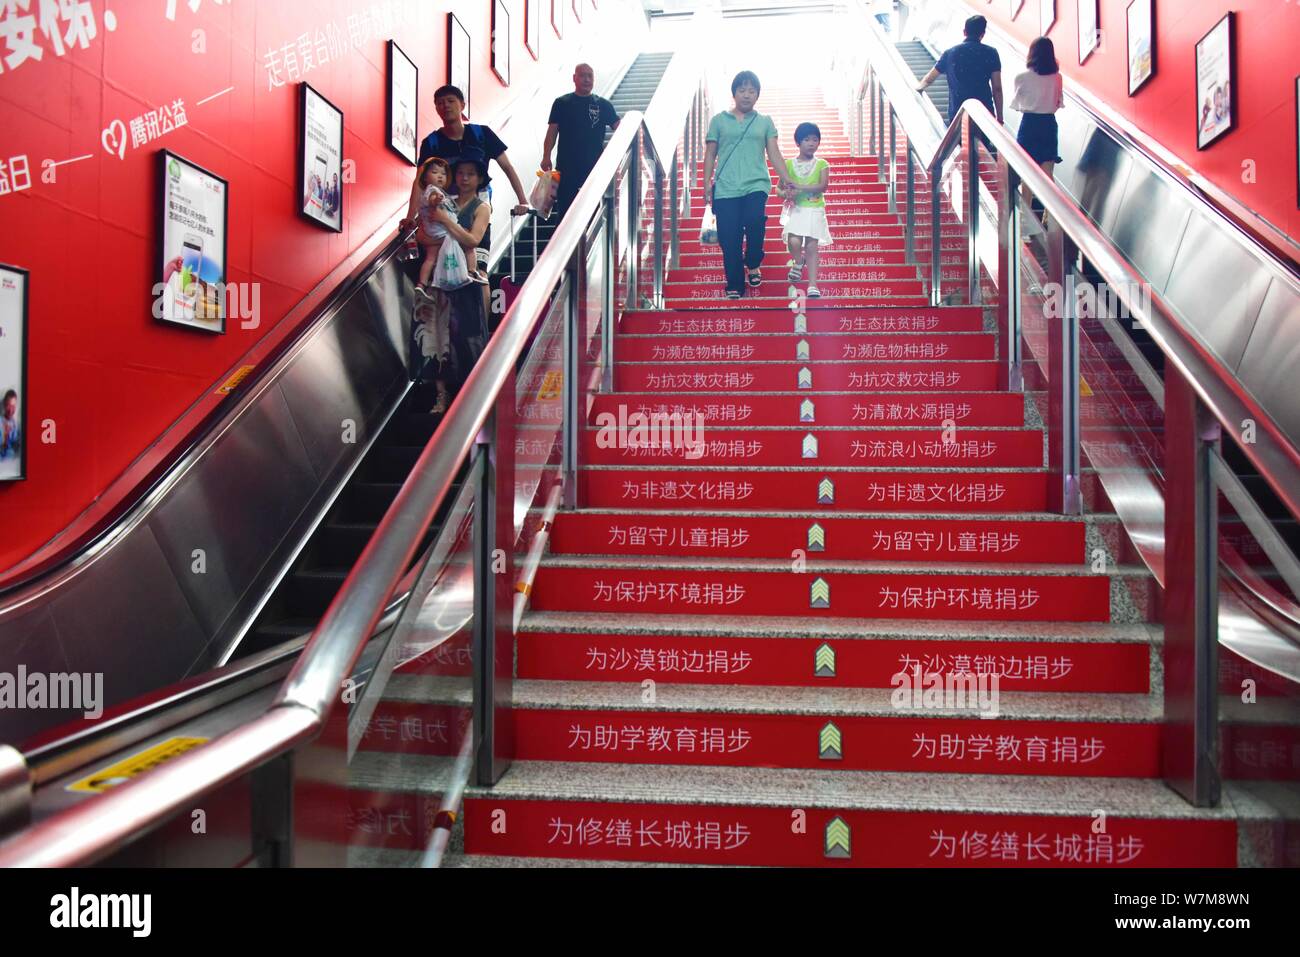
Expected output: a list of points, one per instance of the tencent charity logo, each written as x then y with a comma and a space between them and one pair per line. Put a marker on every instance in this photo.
174, 169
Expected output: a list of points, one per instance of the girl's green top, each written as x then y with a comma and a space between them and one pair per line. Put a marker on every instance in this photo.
812, 179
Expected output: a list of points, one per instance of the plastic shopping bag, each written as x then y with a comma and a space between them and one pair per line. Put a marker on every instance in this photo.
709, 228
542, 198
451, 272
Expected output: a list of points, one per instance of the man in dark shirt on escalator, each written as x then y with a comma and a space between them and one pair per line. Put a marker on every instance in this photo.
973, 70
579, 119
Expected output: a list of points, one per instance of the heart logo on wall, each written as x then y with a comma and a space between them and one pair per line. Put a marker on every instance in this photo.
114, 138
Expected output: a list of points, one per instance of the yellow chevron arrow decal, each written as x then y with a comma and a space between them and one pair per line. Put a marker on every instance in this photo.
805, 378
820, 594
807, 411
801, 351
830, 743
801, 324
826, 492
824, 662
810, 446
838, 838
816, 538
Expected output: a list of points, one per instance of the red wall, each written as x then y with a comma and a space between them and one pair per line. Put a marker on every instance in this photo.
101, 368
1268, 33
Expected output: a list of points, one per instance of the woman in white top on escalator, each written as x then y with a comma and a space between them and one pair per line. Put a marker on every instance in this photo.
1039, 94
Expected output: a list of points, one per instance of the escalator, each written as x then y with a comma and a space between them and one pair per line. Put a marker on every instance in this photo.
634, 92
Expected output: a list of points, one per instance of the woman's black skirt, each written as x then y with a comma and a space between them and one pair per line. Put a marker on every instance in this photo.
1038, 136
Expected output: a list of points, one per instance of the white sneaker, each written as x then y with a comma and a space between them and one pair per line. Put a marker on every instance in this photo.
423, 293
814, 292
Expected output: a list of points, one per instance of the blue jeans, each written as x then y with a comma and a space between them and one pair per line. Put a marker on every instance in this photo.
741, 224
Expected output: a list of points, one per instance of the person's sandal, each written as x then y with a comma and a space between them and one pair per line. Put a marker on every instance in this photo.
732, 294
755, 278
796, 271
814, 292
439, 406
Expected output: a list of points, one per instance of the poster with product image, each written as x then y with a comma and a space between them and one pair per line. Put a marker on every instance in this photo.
403, 98
13, 373
1141, 43
1216, 89
1089, 35
191, 278
320, 171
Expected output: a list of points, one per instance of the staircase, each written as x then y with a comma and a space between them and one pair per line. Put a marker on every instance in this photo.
709, 672
634, 92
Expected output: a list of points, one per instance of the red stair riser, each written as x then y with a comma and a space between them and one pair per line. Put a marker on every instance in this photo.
892, 449
820, 318
1260, 752
878, 348
356, 818
1021, 666
878, 595
715, 298
826, 377
941, 540
778, 272
829, 288
740, 835
830, 259
893, 245
417, 727
899, 409
906, 742
874, 491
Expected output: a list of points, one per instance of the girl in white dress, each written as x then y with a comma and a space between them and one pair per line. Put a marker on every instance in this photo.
803, 219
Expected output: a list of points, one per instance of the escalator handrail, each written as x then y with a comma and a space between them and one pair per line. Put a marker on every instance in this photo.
1273, 455
96, 828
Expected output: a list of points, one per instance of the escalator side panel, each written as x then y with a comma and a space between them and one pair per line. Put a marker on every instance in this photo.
134, 608
211, 514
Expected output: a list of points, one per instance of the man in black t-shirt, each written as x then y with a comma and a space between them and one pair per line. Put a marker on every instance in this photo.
973, 70
580, 119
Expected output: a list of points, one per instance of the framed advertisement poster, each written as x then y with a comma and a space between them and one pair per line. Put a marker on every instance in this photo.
458, 53
1046, 16
403, 104
1296, 142
320, 167
577, 10
1015, 7
1141, 43
1089, 34
533, 27
13, 373
193, 208
1216, 82
501, 41
557, 17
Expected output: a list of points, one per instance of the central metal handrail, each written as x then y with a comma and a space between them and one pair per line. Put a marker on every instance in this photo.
100, 826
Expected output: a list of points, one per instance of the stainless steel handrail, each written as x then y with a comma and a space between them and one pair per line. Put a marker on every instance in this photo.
95, 828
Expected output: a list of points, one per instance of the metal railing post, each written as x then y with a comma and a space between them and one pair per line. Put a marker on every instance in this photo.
1063, 492
909, 224
972, 211
880, 133
1190, 738
609, 285
936, 197
634, 225
571, 422
493, 550
674, 222
1010, 374
659, 236
893, 163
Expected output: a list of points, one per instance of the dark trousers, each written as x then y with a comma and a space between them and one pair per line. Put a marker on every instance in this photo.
741, 223
571, 180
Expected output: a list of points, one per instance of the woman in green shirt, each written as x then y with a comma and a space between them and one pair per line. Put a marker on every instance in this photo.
745, 140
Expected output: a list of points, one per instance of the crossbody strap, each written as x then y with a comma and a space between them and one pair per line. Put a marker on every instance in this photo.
734, 147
